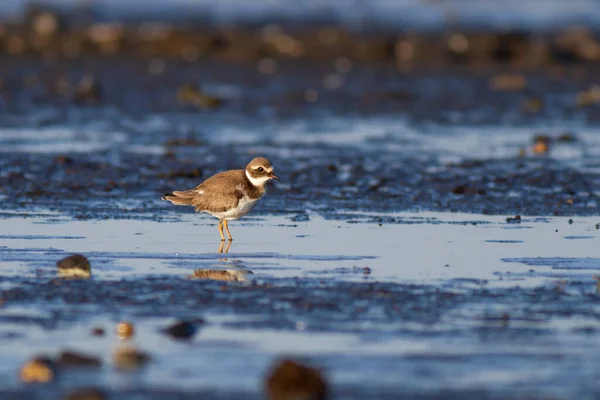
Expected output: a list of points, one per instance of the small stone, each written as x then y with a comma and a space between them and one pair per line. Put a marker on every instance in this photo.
157, 66
38, 370
514, 220
589, 96
63, 160
567, 137
541, 144
86, 394
125, 330
129, 358
88, 90
291, 380
193, 95
184, 141
267, 66
97, 331
533, 105
570, 221
508, 82
73, 359
460, 189
75, 266
182, 330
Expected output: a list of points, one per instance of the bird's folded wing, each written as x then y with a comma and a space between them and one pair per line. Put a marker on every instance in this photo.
217, 201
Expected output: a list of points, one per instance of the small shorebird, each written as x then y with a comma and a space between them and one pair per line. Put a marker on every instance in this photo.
228, 195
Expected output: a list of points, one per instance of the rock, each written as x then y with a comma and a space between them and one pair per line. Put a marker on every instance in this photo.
184, 141
541, 144
87, 90
73, 359
466, 189
589, 97
289, 380
508, 82
567, 137
75, 266
182, 329
43, 20
98, 331
193, 174
38, 370
125, 330
86, 394
515, 220
63, 160
533, 105
460, 189
129, 358
192, 94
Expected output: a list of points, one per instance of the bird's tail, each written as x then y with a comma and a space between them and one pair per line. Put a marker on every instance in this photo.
180, 198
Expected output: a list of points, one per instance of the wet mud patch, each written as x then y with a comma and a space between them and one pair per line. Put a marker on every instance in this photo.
496, 334
114, 159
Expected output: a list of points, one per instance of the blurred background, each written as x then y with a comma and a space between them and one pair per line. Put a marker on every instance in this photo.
430, 14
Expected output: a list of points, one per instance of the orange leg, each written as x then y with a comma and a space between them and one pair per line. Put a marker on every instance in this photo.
220, 226
227, 229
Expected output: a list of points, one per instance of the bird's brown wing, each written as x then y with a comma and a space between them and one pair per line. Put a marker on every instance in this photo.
220, 192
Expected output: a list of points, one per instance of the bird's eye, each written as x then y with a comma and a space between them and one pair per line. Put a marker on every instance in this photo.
261, 169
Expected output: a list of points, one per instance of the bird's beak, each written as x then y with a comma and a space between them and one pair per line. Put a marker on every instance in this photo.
273, 176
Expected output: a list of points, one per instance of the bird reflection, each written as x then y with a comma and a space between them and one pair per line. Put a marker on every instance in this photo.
225, 270
227, 246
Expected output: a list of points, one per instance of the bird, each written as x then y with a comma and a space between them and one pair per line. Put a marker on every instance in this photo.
228, 195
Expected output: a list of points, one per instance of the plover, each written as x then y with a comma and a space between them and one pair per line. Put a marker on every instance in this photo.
228, 195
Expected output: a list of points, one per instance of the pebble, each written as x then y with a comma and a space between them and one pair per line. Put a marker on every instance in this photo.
182, 330
38, 370
291, 380
129, 358
73, 359
98, 331
514, 220
74, 266
125, 330
86, 394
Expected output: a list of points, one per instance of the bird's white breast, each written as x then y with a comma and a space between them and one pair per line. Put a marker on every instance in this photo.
244, 206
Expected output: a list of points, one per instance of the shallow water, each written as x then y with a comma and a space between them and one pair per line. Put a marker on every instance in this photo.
466, 246
456, 304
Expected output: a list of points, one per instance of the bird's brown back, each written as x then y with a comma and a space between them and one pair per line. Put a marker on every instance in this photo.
223, 191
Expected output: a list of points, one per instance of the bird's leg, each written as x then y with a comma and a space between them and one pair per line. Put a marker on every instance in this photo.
221, 246
220, 226
227, 229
